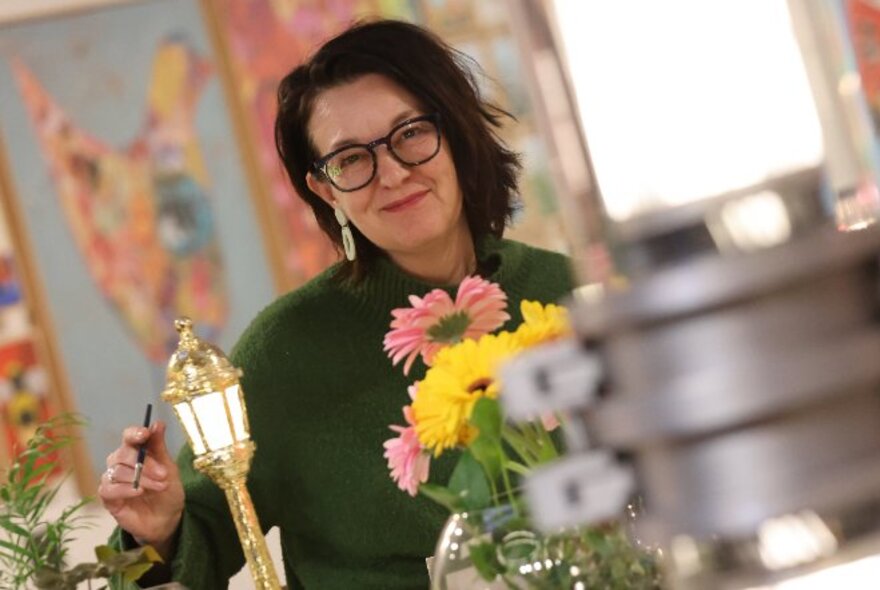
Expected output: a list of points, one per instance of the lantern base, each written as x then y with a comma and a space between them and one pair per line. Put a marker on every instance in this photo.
227, 465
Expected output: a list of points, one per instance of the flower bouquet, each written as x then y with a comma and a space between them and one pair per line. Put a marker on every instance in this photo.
455, 408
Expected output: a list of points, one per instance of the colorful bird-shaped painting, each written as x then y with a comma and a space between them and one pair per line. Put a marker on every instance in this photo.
141, 215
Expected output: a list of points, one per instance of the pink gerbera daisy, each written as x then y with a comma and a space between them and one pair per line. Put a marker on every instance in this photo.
407, 459
435, 321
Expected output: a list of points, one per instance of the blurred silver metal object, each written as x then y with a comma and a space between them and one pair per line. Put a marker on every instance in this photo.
745, 390
741, 380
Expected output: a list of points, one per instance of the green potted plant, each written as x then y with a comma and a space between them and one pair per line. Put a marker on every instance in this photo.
34, 547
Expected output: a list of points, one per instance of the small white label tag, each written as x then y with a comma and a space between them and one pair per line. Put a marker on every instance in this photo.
582, 489
555, 377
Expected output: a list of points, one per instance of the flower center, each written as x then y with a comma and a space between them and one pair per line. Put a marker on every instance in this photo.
450, 328
479, 385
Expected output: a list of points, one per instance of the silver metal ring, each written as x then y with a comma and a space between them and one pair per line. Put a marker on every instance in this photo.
111, 472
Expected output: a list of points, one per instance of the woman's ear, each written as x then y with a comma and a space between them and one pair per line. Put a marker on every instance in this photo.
320, 188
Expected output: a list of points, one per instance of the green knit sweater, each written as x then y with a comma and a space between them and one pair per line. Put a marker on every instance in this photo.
321, 394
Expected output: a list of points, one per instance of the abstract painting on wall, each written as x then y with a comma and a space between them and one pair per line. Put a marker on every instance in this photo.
126, 169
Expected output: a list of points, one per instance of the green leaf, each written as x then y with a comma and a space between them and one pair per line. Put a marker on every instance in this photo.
468, 481
14, 558
486, 448
486, 416
517, 468
46, 467
152, 554
485, 559
489, 455
133, 572
520, 445
14, 528
450, 329
442, 496
104, 553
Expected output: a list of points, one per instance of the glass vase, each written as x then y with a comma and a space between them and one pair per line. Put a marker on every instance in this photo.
496, 549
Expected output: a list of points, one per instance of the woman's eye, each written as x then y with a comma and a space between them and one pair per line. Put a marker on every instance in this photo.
411, 132
349, 160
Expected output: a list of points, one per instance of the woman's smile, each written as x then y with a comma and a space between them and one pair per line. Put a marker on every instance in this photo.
405, 203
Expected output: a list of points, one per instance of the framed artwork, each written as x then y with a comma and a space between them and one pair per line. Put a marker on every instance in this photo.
122, 169
25, 399
262, 40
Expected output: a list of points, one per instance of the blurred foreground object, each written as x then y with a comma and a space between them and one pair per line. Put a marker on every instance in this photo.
203, 387
738, 394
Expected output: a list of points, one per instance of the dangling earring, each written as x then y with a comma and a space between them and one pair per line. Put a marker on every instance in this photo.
347, 236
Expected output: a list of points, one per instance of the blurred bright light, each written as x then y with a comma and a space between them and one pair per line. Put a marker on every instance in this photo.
756, 221
794, 539
862, 574
685, 99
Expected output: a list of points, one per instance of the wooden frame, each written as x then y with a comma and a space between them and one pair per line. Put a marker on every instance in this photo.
44, 329
271, 231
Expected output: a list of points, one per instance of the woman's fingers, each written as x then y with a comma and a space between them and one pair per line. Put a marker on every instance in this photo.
116, 484
152, 439
134, 436
156, 444
152, 511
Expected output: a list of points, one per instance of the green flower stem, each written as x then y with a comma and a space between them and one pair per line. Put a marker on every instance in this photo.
548, 446
516, 467
494, 487
508, 488
520, 445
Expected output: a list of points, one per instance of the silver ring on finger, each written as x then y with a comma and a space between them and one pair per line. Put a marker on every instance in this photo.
111, 474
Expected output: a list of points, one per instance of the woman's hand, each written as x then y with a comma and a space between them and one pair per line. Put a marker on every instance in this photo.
152, 512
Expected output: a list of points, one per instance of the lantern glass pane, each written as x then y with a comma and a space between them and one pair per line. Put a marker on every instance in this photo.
185, 415
236, 410
211, 412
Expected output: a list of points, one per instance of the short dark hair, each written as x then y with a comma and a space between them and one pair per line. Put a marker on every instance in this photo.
443, 80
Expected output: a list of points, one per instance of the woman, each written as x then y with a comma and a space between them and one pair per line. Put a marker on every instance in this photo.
384, 135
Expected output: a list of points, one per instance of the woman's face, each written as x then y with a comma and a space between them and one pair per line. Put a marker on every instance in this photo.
404, 210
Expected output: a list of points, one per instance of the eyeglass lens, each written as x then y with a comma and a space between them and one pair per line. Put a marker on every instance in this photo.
413, 143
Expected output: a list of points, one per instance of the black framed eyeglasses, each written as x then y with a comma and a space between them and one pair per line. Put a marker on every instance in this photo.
411, 142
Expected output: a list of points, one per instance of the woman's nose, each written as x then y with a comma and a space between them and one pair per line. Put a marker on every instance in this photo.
389, 170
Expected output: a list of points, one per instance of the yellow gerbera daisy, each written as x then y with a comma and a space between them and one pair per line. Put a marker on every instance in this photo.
461, 375
541, 323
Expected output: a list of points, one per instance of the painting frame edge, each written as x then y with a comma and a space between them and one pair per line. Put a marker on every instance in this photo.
31, 10
44, 333
247, 147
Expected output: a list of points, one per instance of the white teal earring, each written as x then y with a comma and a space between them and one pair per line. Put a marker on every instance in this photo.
347, 236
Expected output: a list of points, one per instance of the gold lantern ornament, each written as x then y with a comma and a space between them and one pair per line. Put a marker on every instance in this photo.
204, 390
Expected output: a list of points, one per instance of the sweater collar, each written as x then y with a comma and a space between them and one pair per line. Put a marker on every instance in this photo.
386, 284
